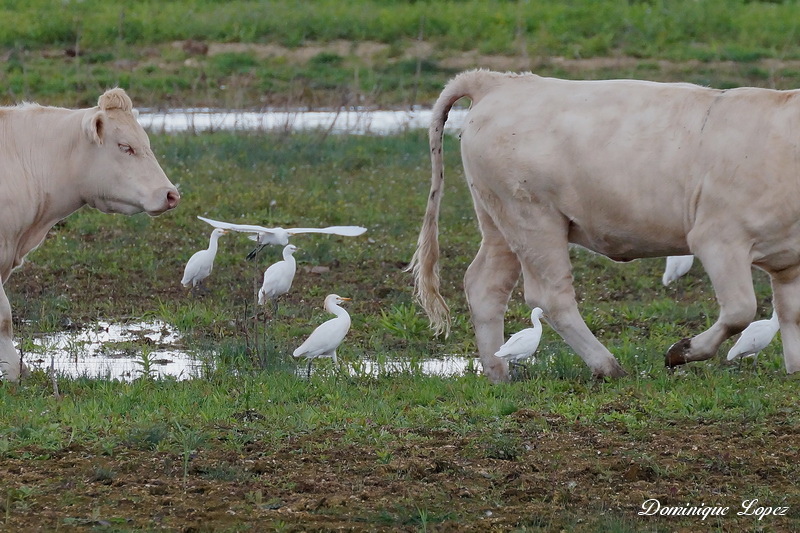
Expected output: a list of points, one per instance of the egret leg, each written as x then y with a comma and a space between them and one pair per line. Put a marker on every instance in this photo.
518, 371
266, 341
254, 252
308, 371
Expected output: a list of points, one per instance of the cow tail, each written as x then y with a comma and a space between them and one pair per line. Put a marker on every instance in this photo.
425, 262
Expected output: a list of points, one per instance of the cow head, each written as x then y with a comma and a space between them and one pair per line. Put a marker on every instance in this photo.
121, 172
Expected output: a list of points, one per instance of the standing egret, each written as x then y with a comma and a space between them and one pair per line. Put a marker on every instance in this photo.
755, 338
280, 236
201, 263
324, 340
677, 266
522, 344
278, 278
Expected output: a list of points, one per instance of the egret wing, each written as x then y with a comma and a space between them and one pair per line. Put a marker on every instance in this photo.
245, 228
754, 338
347, 231
521, 342
326, 338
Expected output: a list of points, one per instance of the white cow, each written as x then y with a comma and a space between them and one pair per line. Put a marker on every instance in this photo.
52, 162
628, 169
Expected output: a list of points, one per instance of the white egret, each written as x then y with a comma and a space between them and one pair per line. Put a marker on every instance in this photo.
522, 344
677, 266
201, 263
324, 340
278, 278
280, 236
755, 338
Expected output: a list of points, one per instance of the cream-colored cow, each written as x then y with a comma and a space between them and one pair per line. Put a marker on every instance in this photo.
628, 169
52, 162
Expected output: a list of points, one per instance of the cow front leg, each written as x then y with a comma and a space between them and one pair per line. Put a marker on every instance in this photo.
732, 279
488, 283
786, 300
11, 368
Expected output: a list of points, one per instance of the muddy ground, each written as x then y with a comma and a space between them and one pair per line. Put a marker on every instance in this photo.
547, 473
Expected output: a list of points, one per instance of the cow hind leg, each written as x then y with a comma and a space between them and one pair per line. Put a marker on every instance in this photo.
731, 276
548, 284
786, 300
543, 250
488, 283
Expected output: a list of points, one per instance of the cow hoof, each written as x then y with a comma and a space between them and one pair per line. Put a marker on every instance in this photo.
613, 370
678, 353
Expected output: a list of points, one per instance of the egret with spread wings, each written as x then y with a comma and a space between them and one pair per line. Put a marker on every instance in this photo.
280, 236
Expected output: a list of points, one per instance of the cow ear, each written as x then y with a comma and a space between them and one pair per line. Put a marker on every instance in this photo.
94, 125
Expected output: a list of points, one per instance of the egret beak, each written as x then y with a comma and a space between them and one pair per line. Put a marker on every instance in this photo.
345, 299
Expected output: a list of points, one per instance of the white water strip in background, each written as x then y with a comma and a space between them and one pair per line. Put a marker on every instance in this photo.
349, 121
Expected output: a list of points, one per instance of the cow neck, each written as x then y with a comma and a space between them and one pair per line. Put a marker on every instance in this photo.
46, 184
52, 161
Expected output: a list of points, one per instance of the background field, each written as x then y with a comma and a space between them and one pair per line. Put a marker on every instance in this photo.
253, 447
250, 54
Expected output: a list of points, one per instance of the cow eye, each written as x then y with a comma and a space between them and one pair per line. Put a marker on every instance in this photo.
127, 148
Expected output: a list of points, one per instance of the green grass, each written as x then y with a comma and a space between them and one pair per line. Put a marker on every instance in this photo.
133, 45
180, 416
685, 28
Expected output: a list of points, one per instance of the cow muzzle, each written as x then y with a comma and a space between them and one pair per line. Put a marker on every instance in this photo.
169, 197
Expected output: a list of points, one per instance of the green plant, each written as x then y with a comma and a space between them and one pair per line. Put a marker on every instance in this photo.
404, 321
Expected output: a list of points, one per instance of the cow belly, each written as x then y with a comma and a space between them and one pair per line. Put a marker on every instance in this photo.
613, 217
626, 246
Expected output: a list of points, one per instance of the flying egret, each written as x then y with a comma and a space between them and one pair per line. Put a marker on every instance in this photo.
677, 266
755, 338
278, 278
522, 344
324, 340
201, 263
280, 236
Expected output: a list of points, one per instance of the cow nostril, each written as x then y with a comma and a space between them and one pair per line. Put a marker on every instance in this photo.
173, 197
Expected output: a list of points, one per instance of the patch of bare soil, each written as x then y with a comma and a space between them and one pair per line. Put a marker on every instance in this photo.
545, 472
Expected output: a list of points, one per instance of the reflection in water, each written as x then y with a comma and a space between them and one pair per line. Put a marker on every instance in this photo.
128, 351
444, 367
116, 351
352, 121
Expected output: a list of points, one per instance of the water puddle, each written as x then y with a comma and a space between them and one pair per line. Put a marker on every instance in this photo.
128, 351
115, 351
346, 121
449, 366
